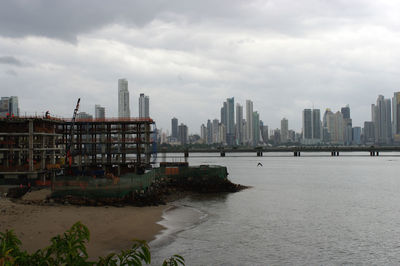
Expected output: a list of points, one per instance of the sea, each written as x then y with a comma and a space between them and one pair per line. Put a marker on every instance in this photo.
308, 210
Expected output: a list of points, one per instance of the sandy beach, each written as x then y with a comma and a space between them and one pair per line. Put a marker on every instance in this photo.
111, 228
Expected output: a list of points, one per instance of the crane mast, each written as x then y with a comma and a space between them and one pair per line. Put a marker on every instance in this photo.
71, 137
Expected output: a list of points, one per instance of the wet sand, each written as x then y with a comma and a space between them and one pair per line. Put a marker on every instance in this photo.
111, 228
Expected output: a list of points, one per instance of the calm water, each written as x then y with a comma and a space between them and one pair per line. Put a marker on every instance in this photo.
309, 210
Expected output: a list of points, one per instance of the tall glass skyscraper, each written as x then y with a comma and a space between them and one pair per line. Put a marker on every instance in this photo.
123, 99
144, 106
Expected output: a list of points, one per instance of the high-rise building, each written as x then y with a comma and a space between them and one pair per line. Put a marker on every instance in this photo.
326, 138
174, 128
203, 133
123, 99
183, 134
347, 126
396, 117
345, 112
99, 112
144, 106
356, 138
311, 126
209, 131
256, 128
369, 132
284, 130
9, 106
382, 118
223, 113
316, 125
239, 124
335, 127
307, 125
215, 131
222, 133
264, 133
83, 115
4, 106
249, 122
230, 121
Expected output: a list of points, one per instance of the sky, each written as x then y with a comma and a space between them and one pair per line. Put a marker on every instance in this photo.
189, 56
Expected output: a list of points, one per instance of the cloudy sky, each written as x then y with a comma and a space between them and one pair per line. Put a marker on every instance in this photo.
189, 56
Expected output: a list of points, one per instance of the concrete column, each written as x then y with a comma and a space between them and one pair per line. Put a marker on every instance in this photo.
30, 153
53, 153
123, 146
43, 153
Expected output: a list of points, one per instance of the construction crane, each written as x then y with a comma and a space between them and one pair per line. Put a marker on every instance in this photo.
71, 137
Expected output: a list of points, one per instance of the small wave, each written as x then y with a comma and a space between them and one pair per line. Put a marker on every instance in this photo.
177, 218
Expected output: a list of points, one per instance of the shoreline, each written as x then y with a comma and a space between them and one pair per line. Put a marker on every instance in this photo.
111, 228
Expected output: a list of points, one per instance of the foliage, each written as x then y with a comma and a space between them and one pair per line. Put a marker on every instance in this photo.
175, 260
70, 249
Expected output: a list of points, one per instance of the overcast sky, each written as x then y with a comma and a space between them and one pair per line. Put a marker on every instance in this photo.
189, 56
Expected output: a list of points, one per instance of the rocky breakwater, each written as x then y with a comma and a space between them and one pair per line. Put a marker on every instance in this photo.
169, 182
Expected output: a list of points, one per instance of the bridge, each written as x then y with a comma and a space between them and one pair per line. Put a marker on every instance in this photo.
296, 150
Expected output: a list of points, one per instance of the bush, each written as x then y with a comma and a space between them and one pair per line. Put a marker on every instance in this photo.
70, 249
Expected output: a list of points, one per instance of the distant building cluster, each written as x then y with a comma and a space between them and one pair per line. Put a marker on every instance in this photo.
236, 128
240, 125
9, 106
337, 128
124, 110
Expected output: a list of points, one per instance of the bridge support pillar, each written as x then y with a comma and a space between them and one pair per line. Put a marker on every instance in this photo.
296, 154
372, 153
377, 153
186, 154
259, 154
334, 153
222, 154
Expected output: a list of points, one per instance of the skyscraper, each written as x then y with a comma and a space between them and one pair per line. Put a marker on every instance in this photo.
316, 125
382, 118
311, 126
183, 134
4, 106
239, 124
223, 113
396, 117
230, 121
209, 131
256, 128
203, 133
369, 132
123, 99
307, 126
9, 105
284, 130
215, 131
249, 121
99, 111
347, 126
174, 128
144, 106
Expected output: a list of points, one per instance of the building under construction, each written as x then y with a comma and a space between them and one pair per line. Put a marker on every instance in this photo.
35, 147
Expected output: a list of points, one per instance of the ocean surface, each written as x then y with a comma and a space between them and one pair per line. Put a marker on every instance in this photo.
309, 210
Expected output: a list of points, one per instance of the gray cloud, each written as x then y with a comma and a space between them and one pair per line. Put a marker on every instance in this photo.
11, 72
189, 56
10, 60
67, 19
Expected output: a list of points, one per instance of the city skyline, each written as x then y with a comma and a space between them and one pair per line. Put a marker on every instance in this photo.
284, 57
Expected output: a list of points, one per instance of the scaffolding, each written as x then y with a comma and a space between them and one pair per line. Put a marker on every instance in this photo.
34, 147
29, 147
